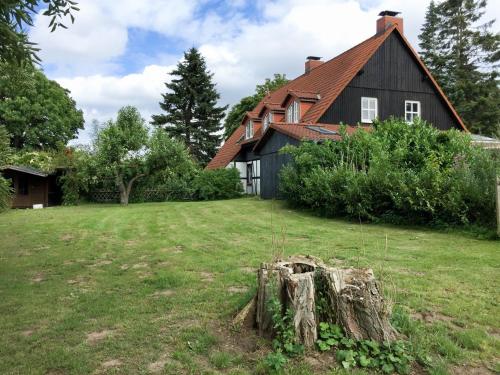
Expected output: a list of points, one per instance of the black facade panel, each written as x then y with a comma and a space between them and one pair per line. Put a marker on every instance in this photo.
392, 76
271, 162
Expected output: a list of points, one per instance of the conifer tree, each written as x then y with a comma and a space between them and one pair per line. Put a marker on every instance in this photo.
190, 104
463, 55
431, 53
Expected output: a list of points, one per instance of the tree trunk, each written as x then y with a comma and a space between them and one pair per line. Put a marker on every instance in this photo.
316, 293
125, 190
122, 190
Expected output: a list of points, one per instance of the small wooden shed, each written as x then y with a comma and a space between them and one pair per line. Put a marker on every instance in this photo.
32, 186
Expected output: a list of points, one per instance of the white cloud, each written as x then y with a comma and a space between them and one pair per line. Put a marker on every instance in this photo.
241, 52
101, 96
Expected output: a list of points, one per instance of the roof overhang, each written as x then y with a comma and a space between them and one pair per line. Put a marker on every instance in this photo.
303, 96
27, 170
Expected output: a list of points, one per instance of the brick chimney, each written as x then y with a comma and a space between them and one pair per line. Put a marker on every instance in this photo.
387, 19
312, 62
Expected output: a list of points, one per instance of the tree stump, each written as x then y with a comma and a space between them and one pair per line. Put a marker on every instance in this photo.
316, 293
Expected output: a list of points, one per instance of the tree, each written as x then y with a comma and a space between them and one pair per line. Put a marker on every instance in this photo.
192, 114
463, 56
37, 112
126, 152
5, 152
248, 103
17, 15
430, 44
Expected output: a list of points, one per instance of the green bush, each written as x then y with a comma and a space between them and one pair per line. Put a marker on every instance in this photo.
223, 183
397, 172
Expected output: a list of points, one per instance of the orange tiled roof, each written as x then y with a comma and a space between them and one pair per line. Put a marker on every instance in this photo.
323, 83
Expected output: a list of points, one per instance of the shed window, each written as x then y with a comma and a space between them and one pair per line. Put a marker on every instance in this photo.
22, 185
268, 118
369, 109
249, 130
412, 110
293, 112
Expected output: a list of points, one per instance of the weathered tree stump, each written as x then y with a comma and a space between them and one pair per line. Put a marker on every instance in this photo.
316, 293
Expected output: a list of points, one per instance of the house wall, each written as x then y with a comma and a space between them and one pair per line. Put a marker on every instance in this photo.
392, 75
271, 162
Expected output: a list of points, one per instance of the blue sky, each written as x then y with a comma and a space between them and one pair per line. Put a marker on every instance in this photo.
120, 53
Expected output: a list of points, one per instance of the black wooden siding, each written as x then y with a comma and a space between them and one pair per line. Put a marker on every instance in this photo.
392, 76
271, 162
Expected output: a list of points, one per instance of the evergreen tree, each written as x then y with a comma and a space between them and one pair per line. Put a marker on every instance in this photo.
463, 55
431, 53
192, 114
248, 103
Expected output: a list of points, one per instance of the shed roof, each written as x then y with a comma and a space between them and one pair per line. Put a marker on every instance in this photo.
23, 169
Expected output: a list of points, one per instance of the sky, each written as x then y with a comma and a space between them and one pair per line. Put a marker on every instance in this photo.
120, 53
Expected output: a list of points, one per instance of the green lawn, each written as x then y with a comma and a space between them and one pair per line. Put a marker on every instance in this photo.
151, 287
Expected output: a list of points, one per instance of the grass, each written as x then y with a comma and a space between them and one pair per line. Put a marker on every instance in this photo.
152, 287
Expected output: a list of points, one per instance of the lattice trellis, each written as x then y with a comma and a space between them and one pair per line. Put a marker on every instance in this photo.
113, 196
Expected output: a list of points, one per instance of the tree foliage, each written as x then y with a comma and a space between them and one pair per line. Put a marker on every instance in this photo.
16, 16
463, 54
5, 152
248, 103
396, 172
190, 104
126, 152
37, 112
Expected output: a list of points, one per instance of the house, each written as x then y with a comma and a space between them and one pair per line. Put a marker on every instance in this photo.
32, 186
381, 77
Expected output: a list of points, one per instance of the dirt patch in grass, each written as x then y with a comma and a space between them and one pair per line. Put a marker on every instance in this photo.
140, 265
470, 370
157, 366
248, 269
67, 237
237, 289
432, 317
177, 249
100, 263
111, 363
207, 277
27, 333
164, 293
124, 267
38, 278
95, 337
132, 242
406, 271
163, 264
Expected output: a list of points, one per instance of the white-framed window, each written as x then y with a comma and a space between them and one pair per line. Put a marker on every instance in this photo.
249, 130
412, 110
268, 118
293, 112
369, 109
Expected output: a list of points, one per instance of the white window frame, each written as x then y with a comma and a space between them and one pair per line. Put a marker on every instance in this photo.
371, 110
268, 119
413, 114
249, 130
293, 112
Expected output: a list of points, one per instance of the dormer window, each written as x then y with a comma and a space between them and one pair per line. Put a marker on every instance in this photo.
293, 112
268, 118
249, 130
